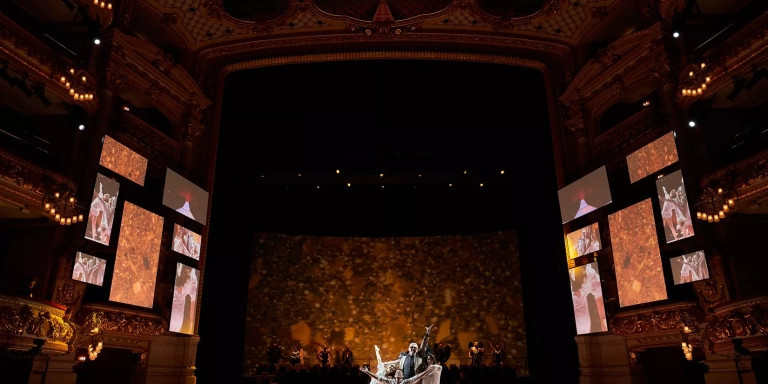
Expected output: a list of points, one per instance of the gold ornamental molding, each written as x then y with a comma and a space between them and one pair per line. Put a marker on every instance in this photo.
659, 320
618, 73
25, 323
733, 57
743, 323
149, 142
42, 67
137, 64
104, 318
748, 178
25, 183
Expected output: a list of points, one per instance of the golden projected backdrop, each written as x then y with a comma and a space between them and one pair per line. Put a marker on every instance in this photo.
313, 291
652, 157
636, 257
138, 251
123, 161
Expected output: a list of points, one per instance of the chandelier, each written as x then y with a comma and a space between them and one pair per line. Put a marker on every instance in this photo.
714, 204
77, 84
696, 82
63, 207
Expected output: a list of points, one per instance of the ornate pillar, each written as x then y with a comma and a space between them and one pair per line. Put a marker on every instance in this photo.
192, 130
577, 125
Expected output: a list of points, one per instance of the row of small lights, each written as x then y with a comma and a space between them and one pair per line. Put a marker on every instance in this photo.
338, 172
103, 4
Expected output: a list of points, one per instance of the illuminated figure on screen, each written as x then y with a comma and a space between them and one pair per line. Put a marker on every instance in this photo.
184, 299
588, 242
79, 271
675, 213
98, 216
588, 306
688, 272
700, 265
184, 242
88, 269
693, 267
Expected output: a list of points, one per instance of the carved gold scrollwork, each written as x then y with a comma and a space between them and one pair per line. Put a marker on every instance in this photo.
745, 320
120, 321
662, 320
23, 322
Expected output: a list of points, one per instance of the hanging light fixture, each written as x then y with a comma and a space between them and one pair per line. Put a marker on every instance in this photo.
696, 82
714, 204
62, 207
77, 84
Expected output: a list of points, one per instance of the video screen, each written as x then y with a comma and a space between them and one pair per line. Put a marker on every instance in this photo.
136, 259
583, 241
689, 268
636, 257
185, 197
675, 214
89, 269
184, 300
656, 155
588, 305
584, 195
102, 211
186, 242
122, 160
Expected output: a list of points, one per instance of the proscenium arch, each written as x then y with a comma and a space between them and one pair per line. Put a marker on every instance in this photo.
556, 120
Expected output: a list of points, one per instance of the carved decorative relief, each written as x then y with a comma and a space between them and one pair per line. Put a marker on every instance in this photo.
745, 320
749, 179
161, 148
25, 183
120, 320
662, 319
22, 321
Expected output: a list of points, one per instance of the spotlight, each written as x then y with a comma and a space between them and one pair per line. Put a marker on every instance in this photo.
676, 34
81, 127
96, 41
691, 123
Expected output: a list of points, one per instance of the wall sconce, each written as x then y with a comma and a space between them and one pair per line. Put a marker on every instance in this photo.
687, 351
685, 344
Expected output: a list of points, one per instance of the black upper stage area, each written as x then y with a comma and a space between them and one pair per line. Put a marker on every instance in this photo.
384, 148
